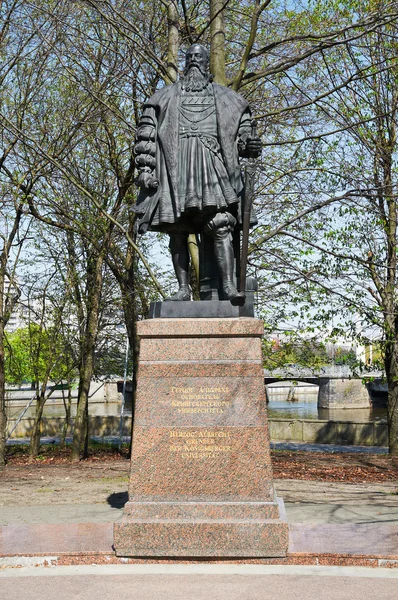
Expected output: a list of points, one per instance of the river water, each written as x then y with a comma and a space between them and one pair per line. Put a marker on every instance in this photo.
308, 409
304, 408
305, 405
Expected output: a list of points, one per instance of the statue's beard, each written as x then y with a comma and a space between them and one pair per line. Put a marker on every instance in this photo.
195, 79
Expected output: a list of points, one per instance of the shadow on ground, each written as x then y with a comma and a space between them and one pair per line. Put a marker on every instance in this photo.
118, 500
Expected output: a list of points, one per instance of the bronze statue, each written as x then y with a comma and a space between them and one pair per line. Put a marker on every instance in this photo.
189, 140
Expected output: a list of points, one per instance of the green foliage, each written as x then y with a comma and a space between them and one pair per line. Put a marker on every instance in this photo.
344, 357
35, 354
305, 353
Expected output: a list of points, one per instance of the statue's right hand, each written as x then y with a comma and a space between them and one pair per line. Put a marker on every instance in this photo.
146, 133
147, 181
145, 161
145, 148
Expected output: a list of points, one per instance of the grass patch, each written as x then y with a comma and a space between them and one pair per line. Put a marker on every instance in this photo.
123, 479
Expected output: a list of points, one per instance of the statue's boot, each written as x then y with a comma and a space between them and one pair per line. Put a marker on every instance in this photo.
183, 293
180, 257
224, 254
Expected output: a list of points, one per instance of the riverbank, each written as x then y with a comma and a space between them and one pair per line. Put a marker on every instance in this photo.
371, 433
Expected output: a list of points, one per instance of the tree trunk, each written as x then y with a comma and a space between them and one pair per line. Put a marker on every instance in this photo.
392, 418
391, 367
172, 42
86, 368
34, 447
85, 375
217, 44
41, 398
68, 410
3, 413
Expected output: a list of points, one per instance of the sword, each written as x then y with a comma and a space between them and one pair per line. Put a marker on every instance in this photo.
250, 171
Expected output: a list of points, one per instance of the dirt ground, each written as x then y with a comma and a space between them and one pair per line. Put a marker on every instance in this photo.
335, 467
299, 477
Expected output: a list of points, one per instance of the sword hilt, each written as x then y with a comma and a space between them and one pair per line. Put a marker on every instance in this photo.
253, 135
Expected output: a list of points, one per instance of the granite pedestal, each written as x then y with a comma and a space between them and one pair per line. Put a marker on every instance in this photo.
201, 478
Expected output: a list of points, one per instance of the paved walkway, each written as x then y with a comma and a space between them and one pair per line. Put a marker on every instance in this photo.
199, 582
370, 540
297, 512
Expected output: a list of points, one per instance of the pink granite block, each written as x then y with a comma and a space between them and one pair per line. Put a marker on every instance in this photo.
191, 401
225, 464
197, 368
246, 538
199, 349
201, 479
202, 511
163, 328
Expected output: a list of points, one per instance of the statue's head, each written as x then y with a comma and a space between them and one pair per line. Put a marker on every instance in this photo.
196, 72
197, 55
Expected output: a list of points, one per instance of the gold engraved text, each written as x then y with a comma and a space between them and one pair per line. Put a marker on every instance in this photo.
203, 400
199, 444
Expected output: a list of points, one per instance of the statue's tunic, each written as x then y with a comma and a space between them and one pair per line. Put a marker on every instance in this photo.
197, 135
203, 182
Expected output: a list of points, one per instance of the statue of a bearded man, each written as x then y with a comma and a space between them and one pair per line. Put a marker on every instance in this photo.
189, 140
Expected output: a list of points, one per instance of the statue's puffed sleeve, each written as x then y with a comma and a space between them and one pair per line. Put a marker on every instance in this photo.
145, 148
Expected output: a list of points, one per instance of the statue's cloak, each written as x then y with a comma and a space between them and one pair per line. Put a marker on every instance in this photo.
159, 209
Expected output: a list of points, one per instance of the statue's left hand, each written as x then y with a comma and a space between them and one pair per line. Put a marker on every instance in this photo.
147, 181
254, 147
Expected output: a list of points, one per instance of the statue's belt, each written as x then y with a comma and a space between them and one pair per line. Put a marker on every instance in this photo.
210, 142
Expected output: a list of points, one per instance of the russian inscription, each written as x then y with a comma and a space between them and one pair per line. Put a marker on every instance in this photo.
200, 400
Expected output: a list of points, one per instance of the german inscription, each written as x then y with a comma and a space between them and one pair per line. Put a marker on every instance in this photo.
203, 443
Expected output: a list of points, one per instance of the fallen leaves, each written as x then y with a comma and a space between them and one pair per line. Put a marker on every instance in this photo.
342, 467
54, 455
313, 466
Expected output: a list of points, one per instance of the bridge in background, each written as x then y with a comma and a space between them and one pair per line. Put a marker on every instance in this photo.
338, 386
